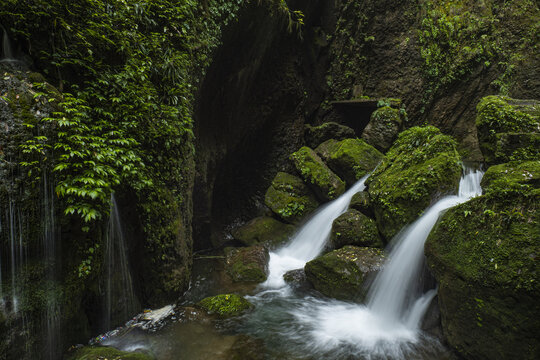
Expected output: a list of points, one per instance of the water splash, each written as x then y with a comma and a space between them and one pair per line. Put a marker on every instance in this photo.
389, 322
310, 240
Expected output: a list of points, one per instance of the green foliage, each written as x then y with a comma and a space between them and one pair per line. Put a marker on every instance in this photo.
458, 37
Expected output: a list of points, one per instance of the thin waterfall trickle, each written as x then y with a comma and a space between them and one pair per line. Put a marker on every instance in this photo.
7, 52
51, 315
310, 240
120, 301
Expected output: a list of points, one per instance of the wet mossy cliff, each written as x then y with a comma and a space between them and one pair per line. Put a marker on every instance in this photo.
188, 127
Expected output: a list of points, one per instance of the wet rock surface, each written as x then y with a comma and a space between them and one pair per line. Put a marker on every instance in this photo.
341, 273
247, 264
354, 228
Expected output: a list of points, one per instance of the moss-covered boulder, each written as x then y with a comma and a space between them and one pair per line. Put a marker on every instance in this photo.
517, 146
360, 201
324, 182
103, 352
225, 305
289, 198
422, 164
504, 128
316, 135
341, 273
248, 264
383, 127
264, 229
354, 228
484, 255
350, 158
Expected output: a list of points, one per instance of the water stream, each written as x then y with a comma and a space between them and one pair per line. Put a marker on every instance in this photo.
298, 323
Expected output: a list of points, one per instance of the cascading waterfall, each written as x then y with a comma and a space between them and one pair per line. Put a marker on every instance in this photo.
310, 240
390, 319
120, 301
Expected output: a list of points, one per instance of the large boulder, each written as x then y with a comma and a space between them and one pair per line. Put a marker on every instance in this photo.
350, 158
383, 127
265, 230
508, 129
361, 202
483, 254
316, 135
341, 273
248, 264
354, 228
225, 305
289, 198
326, 184
422, 164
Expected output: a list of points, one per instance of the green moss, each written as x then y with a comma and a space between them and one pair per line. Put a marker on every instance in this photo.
497, 118
289, 198
484, 256
324, 182
225, 305
263, 230
247, 264
422, 164
341, 273
351, 159
510, 180
354, 228
101, 353
383, 127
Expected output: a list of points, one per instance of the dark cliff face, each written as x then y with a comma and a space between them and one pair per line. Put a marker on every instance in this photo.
439, 58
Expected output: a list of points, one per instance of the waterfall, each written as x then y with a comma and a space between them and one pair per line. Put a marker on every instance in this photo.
310, 240
7, 52
389, 321
120, 301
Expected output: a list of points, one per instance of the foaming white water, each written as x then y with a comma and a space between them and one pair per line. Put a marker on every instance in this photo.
390, 320
310, 240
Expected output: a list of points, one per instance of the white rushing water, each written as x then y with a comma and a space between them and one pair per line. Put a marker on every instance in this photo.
395, 306
310, 240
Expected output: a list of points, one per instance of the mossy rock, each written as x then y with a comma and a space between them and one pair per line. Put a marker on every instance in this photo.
484, 254
351, 159
316, 135
248, 264
324, 182
354, 228
517, 147
102, 352
289, 198
497, 115
264, 229
225, 305
341, 273
360, 201
383, 127
509, 180
421, 165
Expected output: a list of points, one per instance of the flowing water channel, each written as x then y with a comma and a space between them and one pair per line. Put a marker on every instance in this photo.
298, 323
